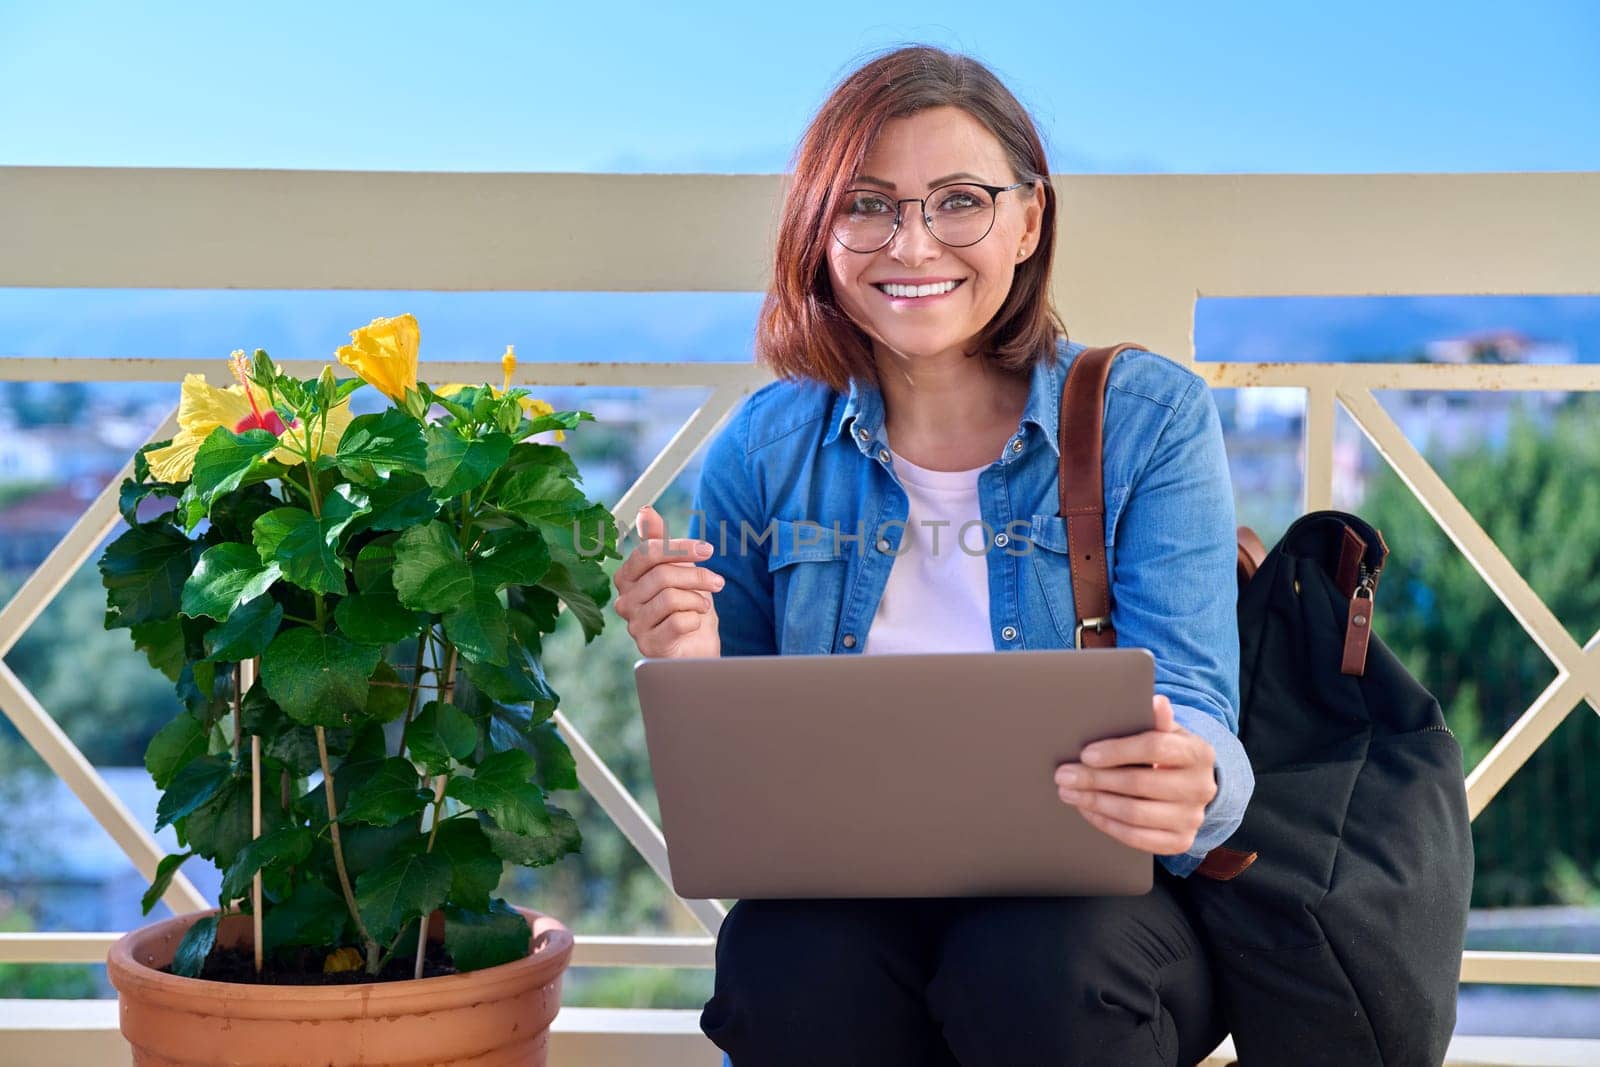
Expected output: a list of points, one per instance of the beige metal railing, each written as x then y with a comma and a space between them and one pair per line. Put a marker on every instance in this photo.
1135, 253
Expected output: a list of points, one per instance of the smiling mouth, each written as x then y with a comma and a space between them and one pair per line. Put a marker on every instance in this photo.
918, 292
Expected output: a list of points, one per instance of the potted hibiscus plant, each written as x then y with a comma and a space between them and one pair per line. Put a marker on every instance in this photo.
352, 608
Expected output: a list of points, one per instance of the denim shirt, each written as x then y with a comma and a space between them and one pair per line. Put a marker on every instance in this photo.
801, 503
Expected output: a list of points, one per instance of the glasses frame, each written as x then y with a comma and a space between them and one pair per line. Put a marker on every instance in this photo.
994, 192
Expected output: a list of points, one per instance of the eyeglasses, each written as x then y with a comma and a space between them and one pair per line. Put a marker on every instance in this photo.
957, 215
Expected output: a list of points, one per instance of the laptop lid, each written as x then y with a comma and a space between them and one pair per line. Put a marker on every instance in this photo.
910, 775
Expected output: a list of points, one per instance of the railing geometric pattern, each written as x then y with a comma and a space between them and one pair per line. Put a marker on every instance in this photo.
1135, 253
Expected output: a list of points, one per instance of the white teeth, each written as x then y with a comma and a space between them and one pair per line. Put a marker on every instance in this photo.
918, 290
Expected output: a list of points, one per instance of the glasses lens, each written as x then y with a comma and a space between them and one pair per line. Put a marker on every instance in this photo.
865, 220
961, 214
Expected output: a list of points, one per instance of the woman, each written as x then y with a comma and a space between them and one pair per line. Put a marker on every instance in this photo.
920, 369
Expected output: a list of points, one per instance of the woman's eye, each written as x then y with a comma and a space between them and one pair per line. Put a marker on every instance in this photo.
958, 202
868, 205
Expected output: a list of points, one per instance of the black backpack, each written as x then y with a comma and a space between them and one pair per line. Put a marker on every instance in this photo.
1336, 914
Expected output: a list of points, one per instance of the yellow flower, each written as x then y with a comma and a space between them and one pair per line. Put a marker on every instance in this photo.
384, 354
203, 407
531, 406
343, 959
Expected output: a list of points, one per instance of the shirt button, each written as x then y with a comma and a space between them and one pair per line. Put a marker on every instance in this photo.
1001, 540
849, 640
1016, 445
884, 545
1009, 633
883, 454
863, 433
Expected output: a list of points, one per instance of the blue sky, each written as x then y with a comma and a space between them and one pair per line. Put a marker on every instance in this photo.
1148, 87
728, 87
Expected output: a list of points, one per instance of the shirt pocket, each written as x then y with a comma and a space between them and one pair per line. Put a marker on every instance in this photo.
1047, 592
808, 567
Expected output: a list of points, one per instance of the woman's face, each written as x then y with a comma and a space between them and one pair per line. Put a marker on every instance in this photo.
911, 156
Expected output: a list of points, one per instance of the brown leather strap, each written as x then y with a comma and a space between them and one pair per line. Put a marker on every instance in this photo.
1083, 498
1252, 553
1223, 864
1352, 552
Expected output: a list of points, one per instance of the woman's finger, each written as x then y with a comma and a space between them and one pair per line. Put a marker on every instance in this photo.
1150, 814
1158, 842
653, 611
658, 579
1149, 783
1169, 748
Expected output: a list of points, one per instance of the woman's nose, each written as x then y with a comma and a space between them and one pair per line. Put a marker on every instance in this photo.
912, 243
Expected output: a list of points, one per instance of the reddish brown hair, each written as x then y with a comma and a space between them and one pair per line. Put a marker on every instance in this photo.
802, 332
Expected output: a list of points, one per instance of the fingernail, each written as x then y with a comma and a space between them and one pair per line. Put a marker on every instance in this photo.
702, 549
1071, 796
718, 581
1067, 779
1091, 755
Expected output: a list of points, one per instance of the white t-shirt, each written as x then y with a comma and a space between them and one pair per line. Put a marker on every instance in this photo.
937, 596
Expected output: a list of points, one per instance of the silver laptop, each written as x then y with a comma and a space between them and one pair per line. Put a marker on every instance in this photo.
915, 775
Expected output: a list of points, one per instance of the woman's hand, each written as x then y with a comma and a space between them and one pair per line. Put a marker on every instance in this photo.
665, 597
1147, 790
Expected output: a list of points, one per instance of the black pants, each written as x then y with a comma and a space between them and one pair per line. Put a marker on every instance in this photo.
980, 982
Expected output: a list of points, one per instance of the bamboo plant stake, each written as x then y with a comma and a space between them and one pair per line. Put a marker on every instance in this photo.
247, 678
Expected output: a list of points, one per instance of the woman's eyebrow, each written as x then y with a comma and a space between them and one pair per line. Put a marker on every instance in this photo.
870, 180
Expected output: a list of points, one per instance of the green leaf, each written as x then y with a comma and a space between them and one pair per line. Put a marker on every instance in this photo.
475, 868
196, 944
387, 441
577, 587
377, 619
530, 456
174, 747
396, 502
502, 786
296, 749
556, 420
441, 733
386, 796
163, 644
249, 630
133, 492
511, 557
429, 571
312, 914
410, 886
198, 781
457, 465
304, 546
518, 681
220, 829
165, 870
144, 572
557, 768
374, 567
285, 846
367, 848
537, 850
318, 679
389, 700
479, 939
226, 576
225, 458
542, 494
478, 627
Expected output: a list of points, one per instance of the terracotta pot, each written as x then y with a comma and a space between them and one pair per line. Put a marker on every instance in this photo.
496, 1017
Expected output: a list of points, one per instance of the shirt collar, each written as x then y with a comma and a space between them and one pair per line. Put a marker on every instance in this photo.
861, 409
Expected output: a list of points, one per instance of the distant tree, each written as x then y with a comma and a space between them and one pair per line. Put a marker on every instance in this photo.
1538, 496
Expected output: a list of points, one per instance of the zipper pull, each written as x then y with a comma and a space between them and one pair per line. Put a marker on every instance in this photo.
1358, 624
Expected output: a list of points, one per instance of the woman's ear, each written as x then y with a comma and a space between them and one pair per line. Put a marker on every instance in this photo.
1032, 221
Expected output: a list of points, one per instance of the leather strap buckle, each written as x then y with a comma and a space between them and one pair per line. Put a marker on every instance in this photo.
1099, 625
